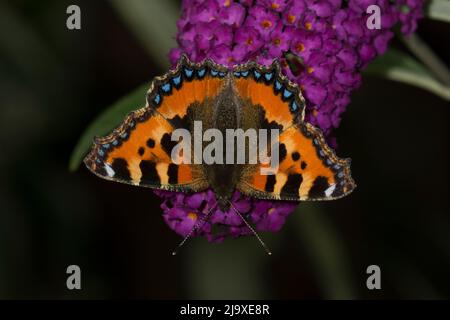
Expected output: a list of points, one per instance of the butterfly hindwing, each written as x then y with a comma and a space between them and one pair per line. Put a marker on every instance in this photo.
308, 169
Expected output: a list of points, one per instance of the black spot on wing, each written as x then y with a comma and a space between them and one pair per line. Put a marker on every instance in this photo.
172, 172
338, 191
303, 165
282, 152
150, 143
120, 167
318, 188
149, 173
141, 151
295, 156
179, 122
167, 144
264, 123
186, 121
270, 183
100, 170
292, 185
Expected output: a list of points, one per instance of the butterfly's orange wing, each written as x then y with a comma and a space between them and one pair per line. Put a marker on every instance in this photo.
308, 169
174, 93
138, 152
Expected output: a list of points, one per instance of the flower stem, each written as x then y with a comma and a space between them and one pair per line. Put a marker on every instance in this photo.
422, 51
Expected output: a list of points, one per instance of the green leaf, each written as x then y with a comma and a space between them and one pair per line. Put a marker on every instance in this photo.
398, 66
439, 10
107, 121
428, 58
153, 23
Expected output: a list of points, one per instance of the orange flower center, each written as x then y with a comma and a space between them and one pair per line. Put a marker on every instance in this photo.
192, 216
249, 41
266, 24
275, 5
300, 47
227, 3
310, 70
314, 112
308, 26
291, 18
271, 210
277, 41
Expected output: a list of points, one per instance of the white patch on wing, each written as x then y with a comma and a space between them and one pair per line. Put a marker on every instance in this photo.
109, 170
330, 190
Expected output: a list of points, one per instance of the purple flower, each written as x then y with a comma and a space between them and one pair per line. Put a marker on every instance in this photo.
263, 20
293, 13
280, 40
321, 8
409, 12
184, 211
247, 42
203, 11
273, 214
276, 5
232, 15
304, 44
315, 92
222, 54
332, 45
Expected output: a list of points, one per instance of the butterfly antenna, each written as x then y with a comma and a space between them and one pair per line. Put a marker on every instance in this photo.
250, 227
197, 225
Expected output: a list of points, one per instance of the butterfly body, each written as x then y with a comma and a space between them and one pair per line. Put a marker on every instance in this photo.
225, 114
248, 97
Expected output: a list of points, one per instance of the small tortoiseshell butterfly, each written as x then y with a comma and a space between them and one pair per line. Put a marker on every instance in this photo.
138, 152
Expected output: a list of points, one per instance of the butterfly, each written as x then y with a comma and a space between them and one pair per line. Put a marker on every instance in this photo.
248, 96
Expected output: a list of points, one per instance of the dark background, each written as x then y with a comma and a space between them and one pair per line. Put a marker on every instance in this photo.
54, 82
